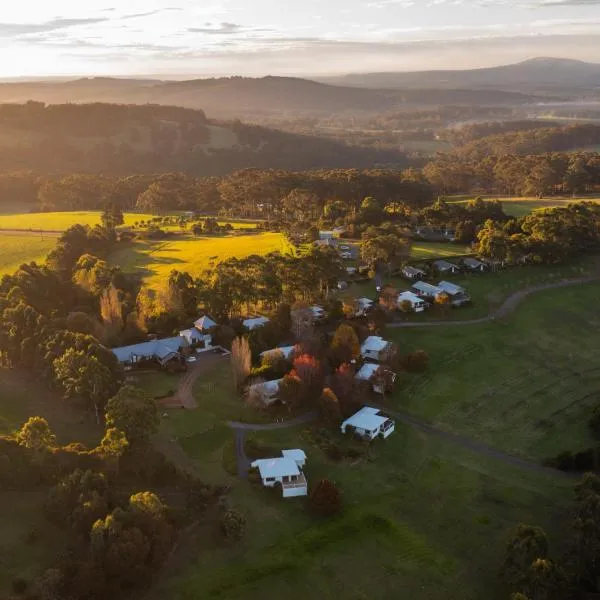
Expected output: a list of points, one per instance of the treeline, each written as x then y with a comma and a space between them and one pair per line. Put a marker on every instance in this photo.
548, 236
513, 175
128, 139
476, 131
250, 192
534, 140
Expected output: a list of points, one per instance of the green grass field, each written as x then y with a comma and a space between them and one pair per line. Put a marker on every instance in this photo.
428, 250
156, 259
18, 249
59, 221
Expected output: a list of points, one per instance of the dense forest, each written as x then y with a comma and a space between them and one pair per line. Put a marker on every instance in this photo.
121, 139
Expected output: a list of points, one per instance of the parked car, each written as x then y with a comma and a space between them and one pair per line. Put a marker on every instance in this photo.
346, 255
344, 247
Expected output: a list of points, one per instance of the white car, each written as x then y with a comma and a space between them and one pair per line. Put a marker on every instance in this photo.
191, 359
346, 255
344, 247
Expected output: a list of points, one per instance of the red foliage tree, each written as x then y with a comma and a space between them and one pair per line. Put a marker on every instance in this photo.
308, 370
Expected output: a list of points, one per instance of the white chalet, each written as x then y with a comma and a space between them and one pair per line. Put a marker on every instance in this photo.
367, 373
285, 470
267, 391
369, 423
255, 323
417, 304
374, 348
363, 305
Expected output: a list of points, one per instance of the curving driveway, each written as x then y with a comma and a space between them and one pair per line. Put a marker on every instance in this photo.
507, 307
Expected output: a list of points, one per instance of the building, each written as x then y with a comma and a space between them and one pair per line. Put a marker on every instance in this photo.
417, 303
413, 273
267, 392
426, 290
204, 324
255, 322
458, 295
363, 306
319, 313
368, 372
474, 265
200, 334
285, 471
160, 351
443, 266
375, 348
287, 351
351, 270
325, 235
369, 423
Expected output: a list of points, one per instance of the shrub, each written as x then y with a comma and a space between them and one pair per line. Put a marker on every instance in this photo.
232, 524
415, 362
325, 499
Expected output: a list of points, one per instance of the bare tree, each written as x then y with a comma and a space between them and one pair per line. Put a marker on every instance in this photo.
241, 361
302, 321
111, 311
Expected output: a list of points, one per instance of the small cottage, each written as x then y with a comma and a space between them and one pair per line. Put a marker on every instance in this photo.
369, 372
443, 266
426, 290
161, 351
474, 265
417, 304
267, 392
369, 423
255, 322
458, 295
285, 471
413, 273
375, 348
363, 306
286, 351
319, 313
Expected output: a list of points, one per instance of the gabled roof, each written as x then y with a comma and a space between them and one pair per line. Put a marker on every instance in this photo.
365, 302
366, 418
413, 298
451, 288
255, 322
426, 288
473, 263
444, 265
295, 454
367, 371
412, 270
285, 350
153, 349
276, 467
317, 311
191, 335
374, 343
204, 323
269, 388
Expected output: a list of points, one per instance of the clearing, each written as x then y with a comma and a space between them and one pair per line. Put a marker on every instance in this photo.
428, 250
154, 260
18, 249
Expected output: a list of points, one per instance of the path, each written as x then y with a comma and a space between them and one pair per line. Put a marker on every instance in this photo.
241, 429
36, 232
508, 306
469, 443
205, 362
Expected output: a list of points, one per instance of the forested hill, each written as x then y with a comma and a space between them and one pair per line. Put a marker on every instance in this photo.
242, 97
128, 139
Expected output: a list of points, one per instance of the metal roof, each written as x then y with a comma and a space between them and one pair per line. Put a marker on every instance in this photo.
410, 297
295, 454
473, 262
367, 371
451, 288
204, 323
276, 467
374, 343
444, 265
285, 350
413, 270
152, 349
366, 418
191, 335
255, 322
268, 387
427, 288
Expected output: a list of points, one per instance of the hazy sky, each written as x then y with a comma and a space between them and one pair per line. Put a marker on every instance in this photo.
296, 37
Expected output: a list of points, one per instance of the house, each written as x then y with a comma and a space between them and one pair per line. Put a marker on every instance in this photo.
458, 295
413, 273
204, 323
426, 290
342, 285
417, 304
285, 470
267, 391
375, 348
443, 266
319, 313
363, 306
287, 351
474, 265
369, 423
162, 351
255, 323
325, 235
368, 372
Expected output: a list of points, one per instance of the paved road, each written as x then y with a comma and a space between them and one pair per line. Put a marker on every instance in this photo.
507, 307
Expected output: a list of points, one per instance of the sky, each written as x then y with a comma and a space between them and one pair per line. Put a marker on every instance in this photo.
182, 38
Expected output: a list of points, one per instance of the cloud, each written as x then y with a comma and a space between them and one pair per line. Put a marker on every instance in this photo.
225, 29
17, 29
150, 13
542, 3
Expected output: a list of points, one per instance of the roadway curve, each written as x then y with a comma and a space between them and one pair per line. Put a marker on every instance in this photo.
508, 306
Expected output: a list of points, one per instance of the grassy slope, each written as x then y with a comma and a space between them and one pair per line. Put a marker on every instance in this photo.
18, 249
59, 221
526, 385
428, 250
155, 260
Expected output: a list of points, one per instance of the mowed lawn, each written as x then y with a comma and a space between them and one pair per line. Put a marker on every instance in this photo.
59, 221
526, 384
520, 207
18, 249
154, 260
429, 250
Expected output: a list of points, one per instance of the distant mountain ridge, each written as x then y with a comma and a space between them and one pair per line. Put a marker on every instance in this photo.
536, 75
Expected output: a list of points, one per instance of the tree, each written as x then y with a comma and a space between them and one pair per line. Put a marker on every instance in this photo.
325, 499
111, 311
135, 413
84, 378
345, 345
291, 392
302, 321
308, 370
594, 422
241, 361
343, 385
112, 216
443, 300
36, 434
329, 407
527, 545
232, 524
113, 445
